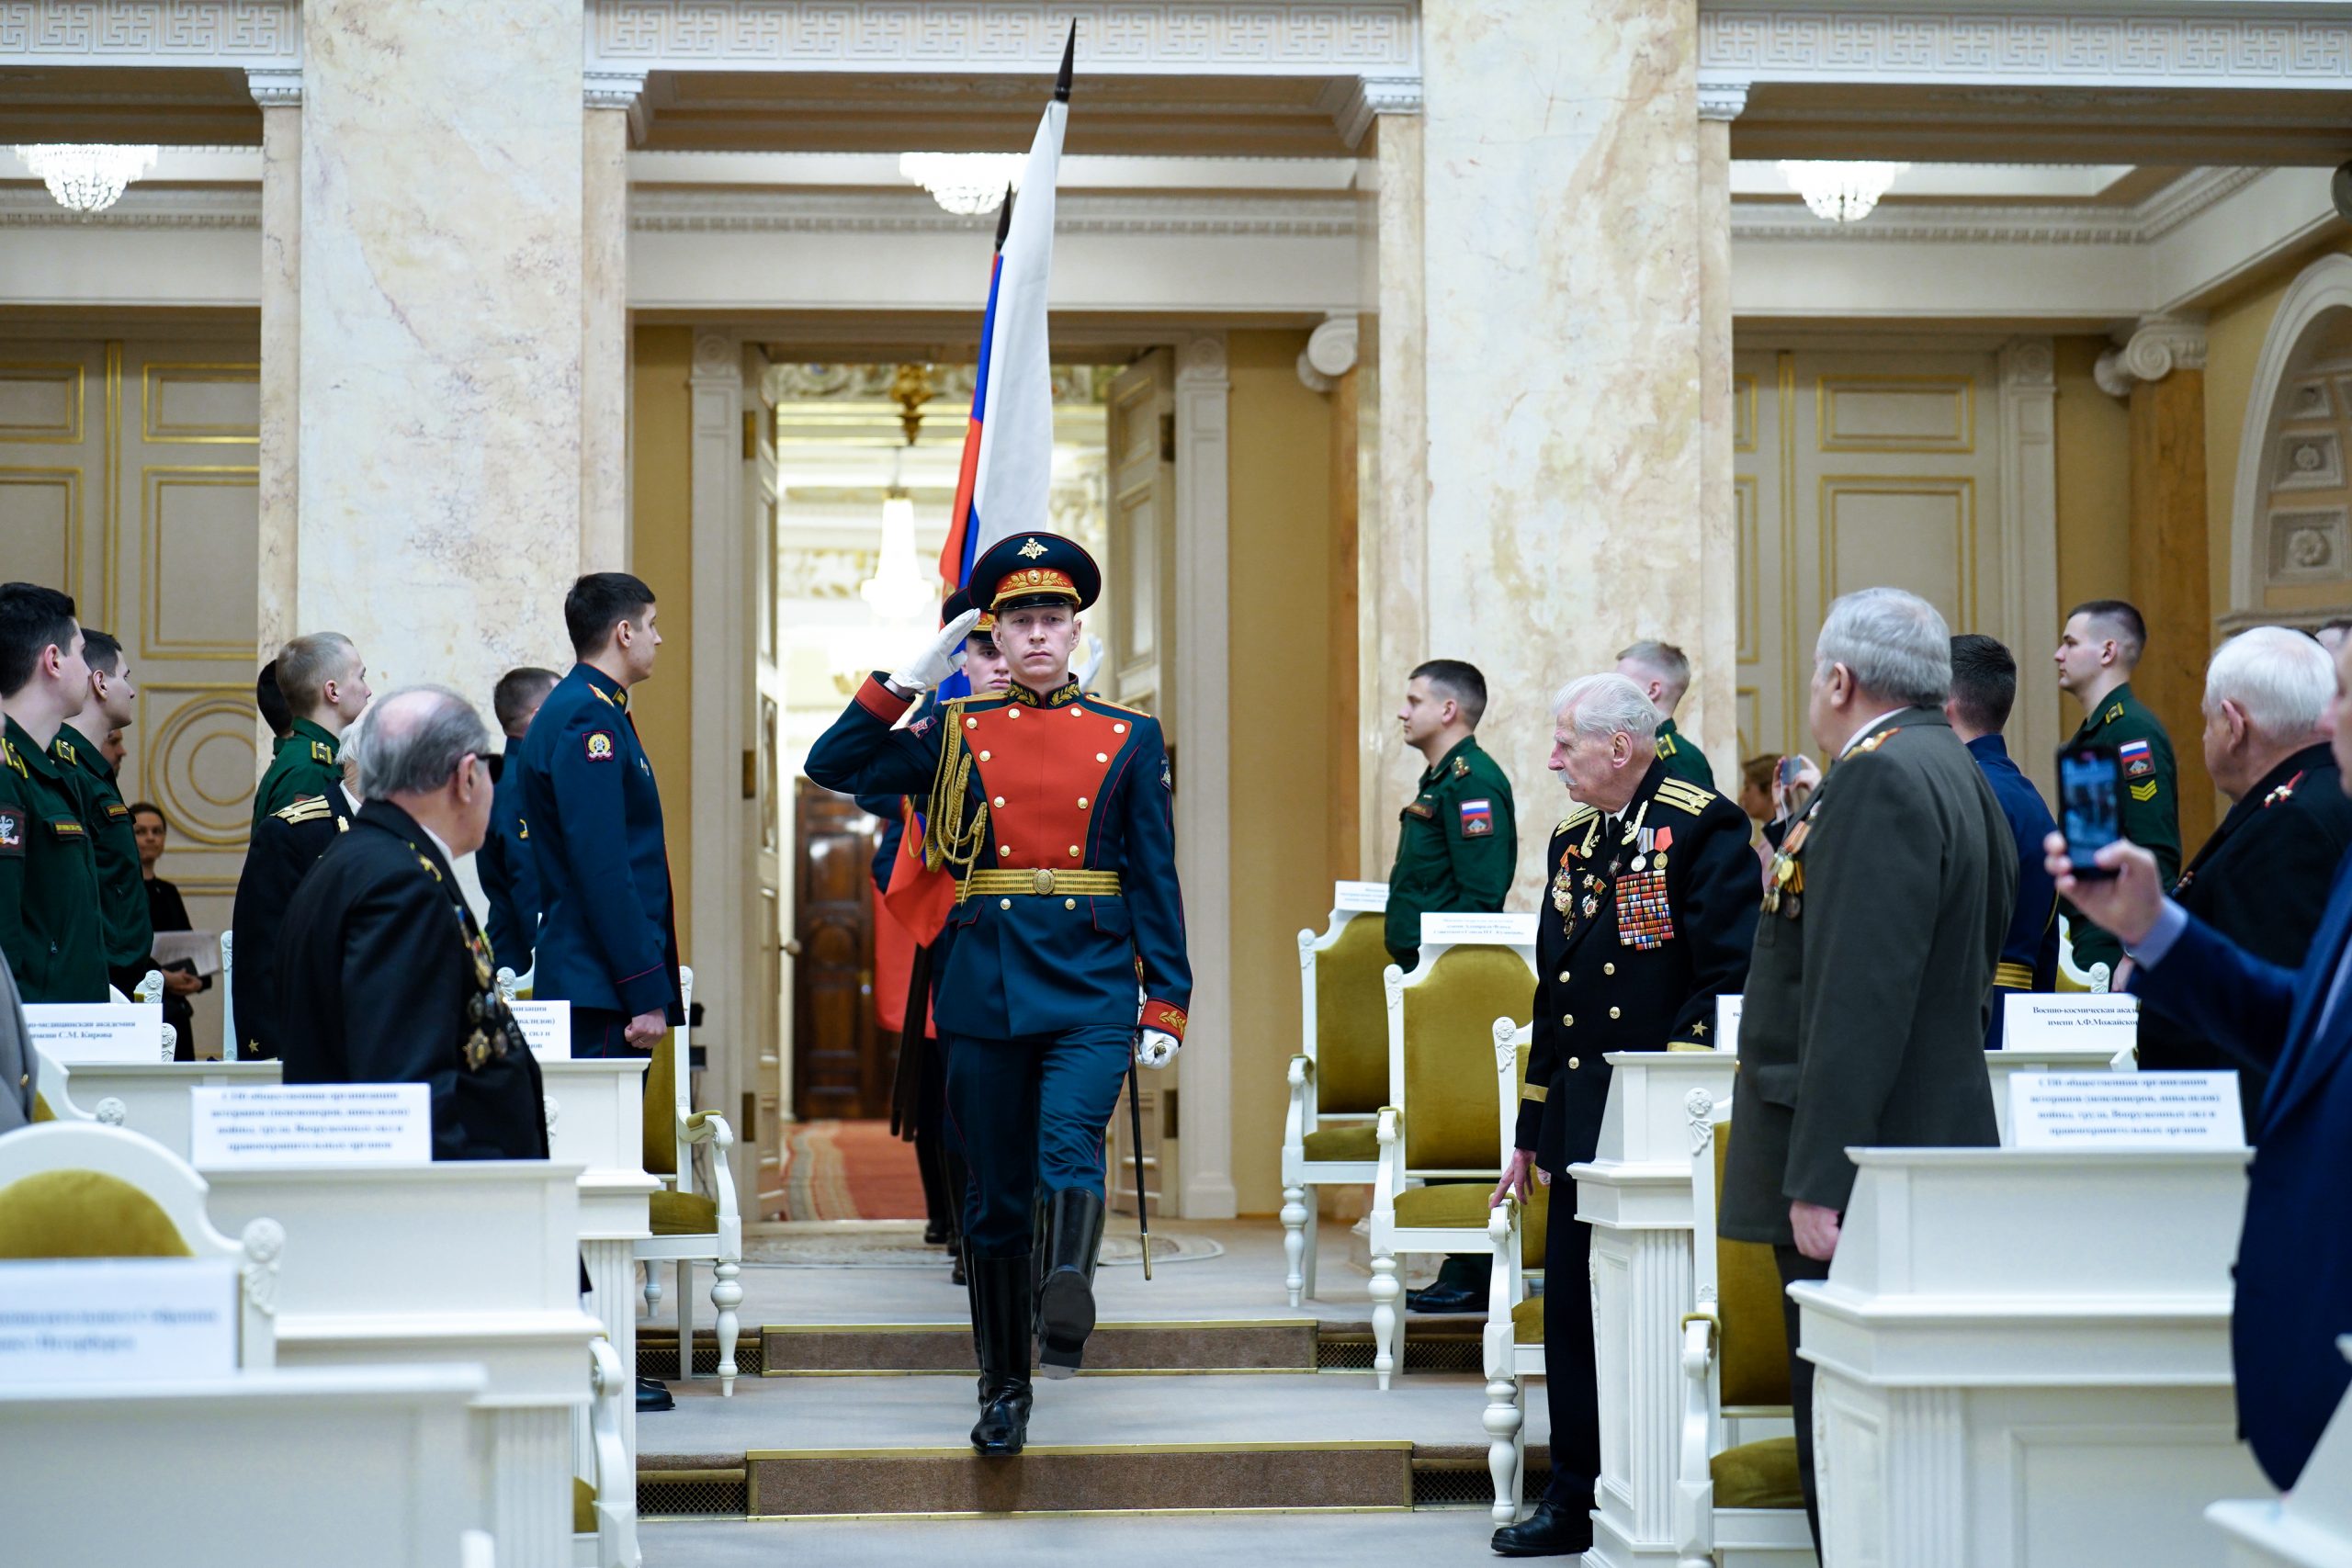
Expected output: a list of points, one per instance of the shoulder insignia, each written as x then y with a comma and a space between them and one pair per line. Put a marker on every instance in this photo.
426, 863
522, 830
342, 824
2145, 792
1684, 797
1874, 742
1576, 819
310, 808
65, 752
2284, 791
9, 755
1666, 746
600, 746
1104, 704
322, 752
2114, 712
1462, 767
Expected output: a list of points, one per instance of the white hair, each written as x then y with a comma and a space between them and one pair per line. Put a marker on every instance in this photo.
2281, 680
1894, 643
1607, 705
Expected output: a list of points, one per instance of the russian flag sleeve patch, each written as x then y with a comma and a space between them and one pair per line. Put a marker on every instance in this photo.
1478, 819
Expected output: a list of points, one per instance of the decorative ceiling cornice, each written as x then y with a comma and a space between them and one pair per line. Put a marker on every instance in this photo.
717, 210
2210, 45
1126, 36
142, 32
1954, 223
196, 207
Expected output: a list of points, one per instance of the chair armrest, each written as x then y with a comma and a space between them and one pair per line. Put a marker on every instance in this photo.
1502, 1286
615, 1476
1694, 1484
710, 1127
1302, 1103
1389, 1179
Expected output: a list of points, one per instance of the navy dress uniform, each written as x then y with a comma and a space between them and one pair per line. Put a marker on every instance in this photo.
2262, 882
510, 878
386, 979
2151, 802
1650, 916
1054, 809
306, 763
608, 936
2029, 961
124, 918
290, 842
50, 930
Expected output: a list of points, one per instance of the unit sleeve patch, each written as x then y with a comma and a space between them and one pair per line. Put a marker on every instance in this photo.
599, 743
12, 832
1478, 819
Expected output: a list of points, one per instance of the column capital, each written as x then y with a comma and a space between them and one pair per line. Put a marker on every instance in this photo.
2158, 346
623, 90
274, 86
2028, 365
1370, 96
1200, 360
1330, 352
717, 358
1721, 100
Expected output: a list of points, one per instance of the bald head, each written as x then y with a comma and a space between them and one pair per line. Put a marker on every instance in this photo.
420, 749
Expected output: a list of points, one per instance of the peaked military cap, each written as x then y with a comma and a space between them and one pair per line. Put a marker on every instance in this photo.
1024, 568
961, 600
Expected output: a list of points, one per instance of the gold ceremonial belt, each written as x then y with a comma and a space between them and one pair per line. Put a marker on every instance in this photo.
1040, 883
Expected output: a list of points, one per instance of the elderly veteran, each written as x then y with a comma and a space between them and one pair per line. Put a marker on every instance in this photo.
1885, 912
1651, 916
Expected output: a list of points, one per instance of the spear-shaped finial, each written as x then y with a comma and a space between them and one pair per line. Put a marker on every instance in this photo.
1004, 218
1070, 53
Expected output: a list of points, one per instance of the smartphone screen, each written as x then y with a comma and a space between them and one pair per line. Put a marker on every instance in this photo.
2090, 803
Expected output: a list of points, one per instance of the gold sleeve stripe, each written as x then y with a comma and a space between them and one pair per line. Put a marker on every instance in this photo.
1536, 1093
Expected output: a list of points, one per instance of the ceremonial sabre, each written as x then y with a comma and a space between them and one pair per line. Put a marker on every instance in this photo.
1135, 1127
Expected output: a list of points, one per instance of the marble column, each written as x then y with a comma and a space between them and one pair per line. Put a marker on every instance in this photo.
1392, 601
612, 102
439, 454
2161, 371
279, 93
1560, 243
1710, 713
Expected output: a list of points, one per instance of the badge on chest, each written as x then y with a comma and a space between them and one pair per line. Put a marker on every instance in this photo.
1784, 885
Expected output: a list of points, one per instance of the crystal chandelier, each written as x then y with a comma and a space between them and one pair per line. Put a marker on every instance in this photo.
1842, 193
966, 184
86, 179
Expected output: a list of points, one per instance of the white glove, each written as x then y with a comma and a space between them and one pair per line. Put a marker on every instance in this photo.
939, 659
1157, 1049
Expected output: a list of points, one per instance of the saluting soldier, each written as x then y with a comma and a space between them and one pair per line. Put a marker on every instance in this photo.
1984, 689
2262, 880
1663, 672
609, 935
2097, 653
50, 928
123, 915
324, 684
292, 840
1457, 842
1053, 808
386, 977
1650, 917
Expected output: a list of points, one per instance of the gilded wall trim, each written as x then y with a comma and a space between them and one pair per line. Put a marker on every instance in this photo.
64, 373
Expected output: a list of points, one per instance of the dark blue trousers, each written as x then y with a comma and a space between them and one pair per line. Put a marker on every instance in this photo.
597, 1032
1029, 1115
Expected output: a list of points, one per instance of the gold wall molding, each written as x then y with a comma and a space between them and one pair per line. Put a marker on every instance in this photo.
68, 479
160, 375
1747, 498
1960, 488
208, 711
1957, 392
1744, 394
110, 488
154, 479
66, 373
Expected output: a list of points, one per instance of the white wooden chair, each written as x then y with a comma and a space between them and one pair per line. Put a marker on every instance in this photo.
603, 1505
690, 1227
2071, 977
80, 1189
515, 988
149, 991
1737, 1497
53, 1097
1513, 1344
1338, 1081
1438, 1122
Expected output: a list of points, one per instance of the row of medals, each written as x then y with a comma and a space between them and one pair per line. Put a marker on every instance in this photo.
1784, 891
482, 1009
1573, 901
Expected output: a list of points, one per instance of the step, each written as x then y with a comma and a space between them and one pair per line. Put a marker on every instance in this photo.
1234, 1345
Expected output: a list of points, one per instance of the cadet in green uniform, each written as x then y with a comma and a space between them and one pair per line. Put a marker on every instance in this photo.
1455, 854
2097, 653
48, 879
1458, 843
123, 914
325, 687
1663, 672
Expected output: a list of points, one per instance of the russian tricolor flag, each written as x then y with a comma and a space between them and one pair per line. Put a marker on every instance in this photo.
1009, 447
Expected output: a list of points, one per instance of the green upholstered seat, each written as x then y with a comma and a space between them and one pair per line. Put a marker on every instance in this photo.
661, 1109
84, 1213
1351, 1025
1752, 1333
1450, 1116
683, 1214
41, 1113
583, 1507
1758, 1475
1457, 1205
1527, 1321
1343, 1142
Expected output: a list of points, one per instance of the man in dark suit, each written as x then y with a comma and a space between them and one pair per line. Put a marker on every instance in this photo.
2294, 1266
1984, 689
384, 977
607, 939
1884, 911
509, 879
2262, 880
290, 842
1652, 916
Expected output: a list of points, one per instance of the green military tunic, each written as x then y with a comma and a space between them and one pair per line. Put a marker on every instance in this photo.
2151, 803
1682, 759
304, 764
49, 878
1456, 848
123, 914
